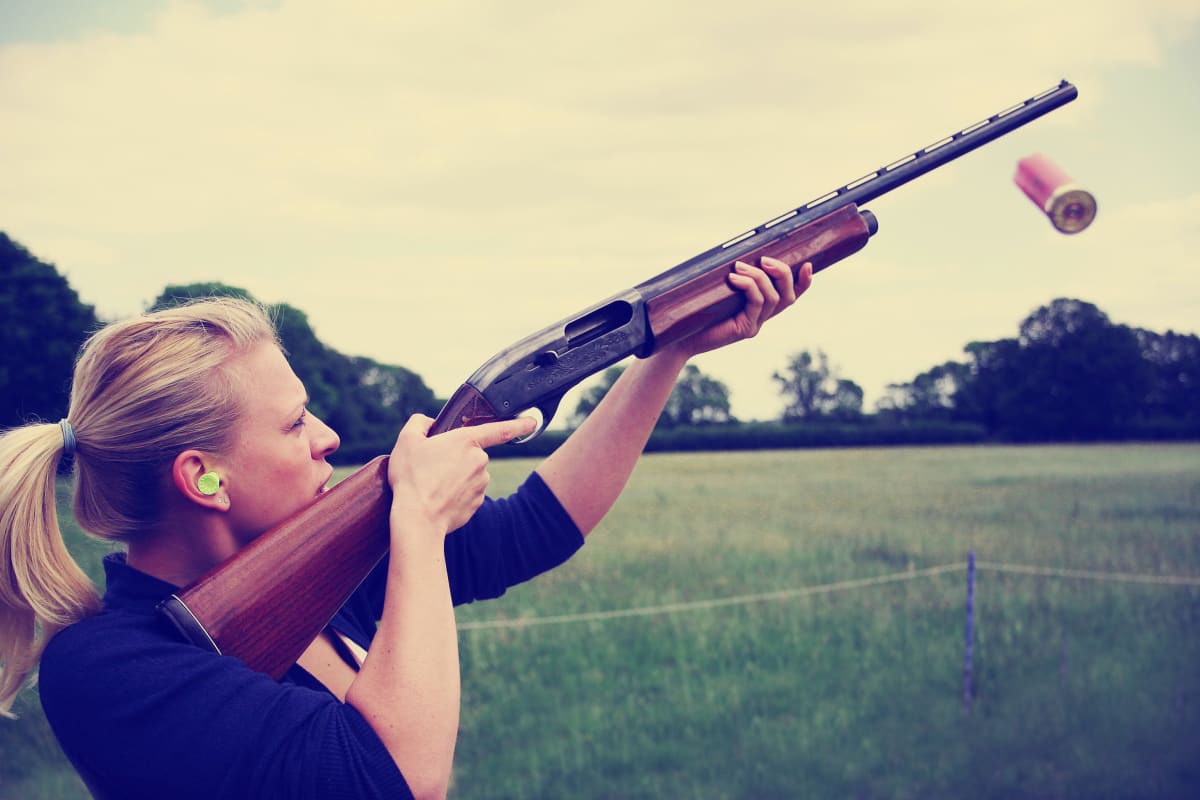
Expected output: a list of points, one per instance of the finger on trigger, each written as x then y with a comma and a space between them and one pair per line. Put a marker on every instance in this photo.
494, 433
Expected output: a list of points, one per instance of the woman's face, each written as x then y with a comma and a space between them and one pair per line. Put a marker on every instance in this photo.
276, 465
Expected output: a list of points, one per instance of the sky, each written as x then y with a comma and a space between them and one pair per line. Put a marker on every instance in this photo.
431, 182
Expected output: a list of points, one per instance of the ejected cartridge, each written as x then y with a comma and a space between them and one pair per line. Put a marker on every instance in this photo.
1069, 207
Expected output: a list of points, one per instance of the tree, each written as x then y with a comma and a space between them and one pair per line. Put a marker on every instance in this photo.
591, 397
1070, 374
1173, 360
803, 384
44, 325
1084, 376
696, 399
812, 389
993, 374
935, 394
845, 405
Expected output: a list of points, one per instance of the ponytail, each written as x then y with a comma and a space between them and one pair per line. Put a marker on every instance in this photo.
42, 590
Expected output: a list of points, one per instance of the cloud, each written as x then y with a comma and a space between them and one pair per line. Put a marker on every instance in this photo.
430, 181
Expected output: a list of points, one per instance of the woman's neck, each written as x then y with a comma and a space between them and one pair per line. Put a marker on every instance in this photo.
183, 553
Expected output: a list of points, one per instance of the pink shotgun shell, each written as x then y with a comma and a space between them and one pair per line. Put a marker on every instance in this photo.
1069, 207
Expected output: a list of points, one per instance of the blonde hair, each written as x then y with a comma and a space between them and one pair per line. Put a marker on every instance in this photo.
144, 390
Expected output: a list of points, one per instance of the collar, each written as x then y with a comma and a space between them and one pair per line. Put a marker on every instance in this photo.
131, 589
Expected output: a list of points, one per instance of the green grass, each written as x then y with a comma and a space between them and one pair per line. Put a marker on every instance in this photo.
1083, 689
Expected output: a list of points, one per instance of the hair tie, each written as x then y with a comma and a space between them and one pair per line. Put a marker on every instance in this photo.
68, 434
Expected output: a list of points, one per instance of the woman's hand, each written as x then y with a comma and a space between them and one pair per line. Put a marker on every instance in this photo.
444, 477
768, 289
408, 688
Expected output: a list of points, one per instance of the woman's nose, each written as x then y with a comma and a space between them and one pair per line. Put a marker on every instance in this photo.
326, 441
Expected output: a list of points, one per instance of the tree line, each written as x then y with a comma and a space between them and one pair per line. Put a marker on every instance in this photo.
1070, 373
45, 323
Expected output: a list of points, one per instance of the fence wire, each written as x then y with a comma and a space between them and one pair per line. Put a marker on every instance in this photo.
825, 588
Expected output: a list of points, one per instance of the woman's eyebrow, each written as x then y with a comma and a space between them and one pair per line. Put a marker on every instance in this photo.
302, 406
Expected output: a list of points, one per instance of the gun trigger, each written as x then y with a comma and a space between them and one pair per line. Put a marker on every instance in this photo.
542, 414
536, 415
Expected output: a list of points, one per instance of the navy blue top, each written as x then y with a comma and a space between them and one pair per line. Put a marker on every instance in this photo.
142, 714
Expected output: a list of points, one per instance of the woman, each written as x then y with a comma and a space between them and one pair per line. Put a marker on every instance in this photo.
190, 438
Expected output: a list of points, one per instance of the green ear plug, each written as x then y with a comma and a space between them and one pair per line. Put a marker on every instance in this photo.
209, 483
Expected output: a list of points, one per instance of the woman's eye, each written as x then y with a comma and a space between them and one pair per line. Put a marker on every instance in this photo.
299, 423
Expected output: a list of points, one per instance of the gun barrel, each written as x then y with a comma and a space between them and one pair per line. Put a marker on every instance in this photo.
945, 150
872, 185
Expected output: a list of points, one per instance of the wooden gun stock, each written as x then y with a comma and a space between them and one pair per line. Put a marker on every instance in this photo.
708, 299
268, 603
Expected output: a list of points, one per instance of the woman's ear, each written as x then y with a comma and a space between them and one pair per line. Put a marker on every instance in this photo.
198, 478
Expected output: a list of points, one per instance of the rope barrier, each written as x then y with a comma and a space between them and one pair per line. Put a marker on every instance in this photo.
696, 605
805, 591
1116, 577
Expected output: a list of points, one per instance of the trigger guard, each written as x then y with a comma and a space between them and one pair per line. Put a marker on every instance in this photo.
537, 416
541, 414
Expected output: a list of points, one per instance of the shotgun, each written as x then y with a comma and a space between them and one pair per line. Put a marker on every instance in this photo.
267, 604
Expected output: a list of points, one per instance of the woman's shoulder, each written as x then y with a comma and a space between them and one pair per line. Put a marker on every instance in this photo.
107, 649
137, 708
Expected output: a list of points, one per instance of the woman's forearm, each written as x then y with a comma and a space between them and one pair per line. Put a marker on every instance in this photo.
589, 470
408, 688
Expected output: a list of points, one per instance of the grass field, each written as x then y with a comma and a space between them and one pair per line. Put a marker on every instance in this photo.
1082, 688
